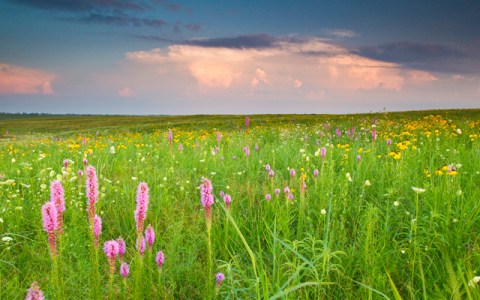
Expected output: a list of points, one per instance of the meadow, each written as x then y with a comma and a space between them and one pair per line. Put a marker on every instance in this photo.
369, 206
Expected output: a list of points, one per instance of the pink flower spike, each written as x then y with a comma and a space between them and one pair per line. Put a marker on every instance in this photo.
323, 152
57, 196
246, 150
49, 216
159, 259
124, 270
374, 135
277, 192
141, 245
92, 190
219, 277
85, 162
34, 292
227, 200
80, 173
247, 122
170, 136
271, 173
359, 158
315, 173
142, 206
268, 197
122, 248
292, 172
111, 249
267, 167
150, 236
97, 229
65, 164
206, 193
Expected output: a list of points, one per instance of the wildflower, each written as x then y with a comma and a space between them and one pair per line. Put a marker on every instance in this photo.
323, 211
367, 183
286, 190
170, 136
124, 270
315, 173
349, 178
359, 158
459, 131
290, 196
268, 197
121, 248
219, 277
150, 236
7, 239
271, 173
97, 229
92, 191
159, 259
247, 122
65, 163
85, 162
389, 142
219, 138
57, 197
80, 173
267, 167
180, 147
257, 147
206, 196
292, 173
112, 150
50, 225
34, 292
277, 192
111, 250
396, 203
374, 135
141, 245
246, 150
474, 281
323, 152
142, 206
227, 200
418, 190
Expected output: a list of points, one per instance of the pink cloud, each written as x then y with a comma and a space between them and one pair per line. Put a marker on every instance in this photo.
20, 80
126, 92
421, 77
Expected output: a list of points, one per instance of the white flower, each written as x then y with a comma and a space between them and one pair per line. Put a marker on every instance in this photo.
112, 150
43, 186
459, 131
349, 178
402, 251
134, 178
418, 190
1, 220
7, 239
323, 211
396, 203
474, 281
13, 160
459, 192
367, 183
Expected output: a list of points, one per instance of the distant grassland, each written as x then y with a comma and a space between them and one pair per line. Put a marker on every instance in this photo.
61, 125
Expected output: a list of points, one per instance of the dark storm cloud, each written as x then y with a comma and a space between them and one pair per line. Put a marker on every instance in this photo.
83, 5
238, 42
431, 57
121, 20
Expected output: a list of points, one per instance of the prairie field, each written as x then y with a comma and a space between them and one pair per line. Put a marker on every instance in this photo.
367, 206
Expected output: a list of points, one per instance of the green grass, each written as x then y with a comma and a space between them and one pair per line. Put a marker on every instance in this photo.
340, 239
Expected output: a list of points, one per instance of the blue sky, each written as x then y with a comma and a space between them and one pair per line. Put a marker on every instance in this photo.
240, 57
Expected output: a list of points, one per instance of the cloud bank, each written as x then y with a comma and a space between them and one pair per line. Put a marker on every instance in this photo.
251, 64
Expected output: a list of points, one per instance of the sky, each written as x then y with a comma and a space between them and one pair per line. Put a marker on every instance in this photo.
238, 57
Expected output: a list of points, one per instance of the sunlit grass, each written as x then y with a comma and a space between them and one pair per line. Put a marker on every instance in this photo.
391, 214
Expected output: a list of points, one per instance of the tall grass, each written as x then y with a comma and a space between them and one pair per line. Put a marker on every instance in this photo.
359, 230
